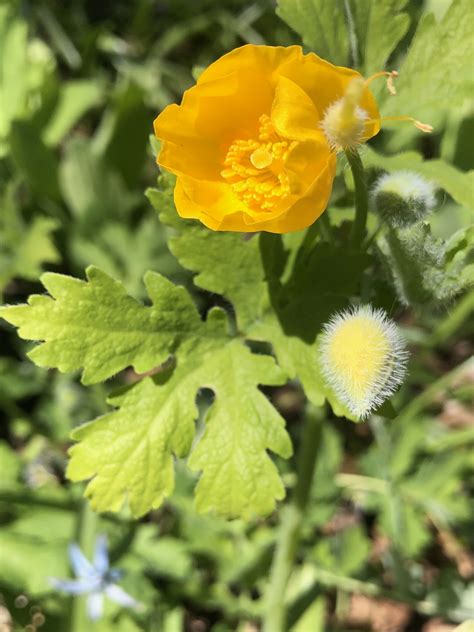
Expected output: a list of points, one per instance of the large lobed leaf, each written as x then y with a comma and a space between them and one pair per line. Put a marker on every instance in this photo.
97, 326
128, 453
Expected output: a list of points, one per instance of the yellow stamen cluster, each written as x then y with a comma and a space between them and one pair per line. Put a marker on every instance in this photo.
255, 168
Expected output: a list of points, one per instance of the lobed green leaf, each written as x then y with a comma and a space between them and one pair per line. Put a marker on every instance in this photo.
95, 325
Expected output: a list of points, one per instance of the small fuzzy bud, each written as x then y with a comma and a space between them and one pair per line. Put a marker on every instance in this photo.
363, 358
403, 198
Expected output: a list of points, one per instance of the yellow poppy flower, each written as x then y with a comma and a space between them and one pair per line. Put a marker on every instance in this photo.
253, 144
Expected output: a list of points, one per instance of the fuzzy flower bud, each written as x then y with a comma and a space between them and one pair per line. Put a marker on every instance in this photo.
403, 198
363, 358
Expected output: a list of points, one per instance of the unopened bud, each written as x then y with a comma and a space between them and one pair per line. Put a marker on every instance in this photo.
403, 198
363, 358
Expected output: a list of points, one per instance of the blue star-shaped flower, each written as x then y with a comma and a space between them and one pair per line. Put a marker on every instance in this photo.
95, 579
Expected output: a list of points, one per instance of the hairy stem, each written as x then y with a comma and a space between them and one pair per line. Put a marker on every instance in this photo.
290, 528
361, 198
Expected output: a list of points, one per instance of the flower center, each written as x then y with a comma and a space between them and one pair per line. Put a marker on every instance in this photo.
255, 168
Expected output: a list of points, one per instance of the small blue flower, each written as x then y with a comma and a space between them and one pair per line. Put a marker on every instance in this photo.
95, 579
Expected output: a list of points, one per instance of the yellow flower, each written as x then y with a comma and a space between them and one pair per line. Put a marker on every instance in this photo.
363, 358
253, 144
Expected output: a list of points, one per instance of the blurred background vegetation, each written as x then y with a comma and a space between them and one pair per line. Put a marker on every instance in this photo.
385, 544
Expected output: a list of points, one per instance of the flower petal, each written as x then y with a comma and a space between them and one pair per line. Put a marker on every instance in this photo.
101, 556
80, 564
226, 107
73, 587
325, 83
95, 605
307, 209
266, 60
210, 202
117, 594
198, 132
294, 115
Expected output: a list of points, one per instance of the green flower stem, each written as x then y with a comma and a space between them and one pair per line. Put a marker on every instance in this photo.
320, 228
325, 227
85, 538
361, 198
292, 518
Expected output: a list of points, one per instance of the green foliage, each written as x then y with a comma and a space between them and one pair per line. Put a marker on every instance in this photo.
75, 99
91, 189
32, 548
24, 249
231, 357
345, 553
35, 160
13, 78
361, 34
113, 331
432, 491
225, 264
379, 26
320, 24
421, 87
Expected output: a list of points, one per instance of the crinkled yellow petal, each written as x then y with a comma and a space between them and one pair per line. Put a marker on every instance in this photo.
210, 117
266, 61
325, 83
217, 208
293, 113
308, 208
210, 202
305, 162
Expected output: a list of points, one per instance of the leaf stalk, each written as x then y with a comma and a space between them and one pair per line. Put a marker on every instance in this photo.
361, 198
275, 613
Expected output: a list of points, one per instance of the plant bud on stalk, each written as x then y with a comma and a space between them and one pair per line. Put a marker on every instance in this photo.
403, 198
363, 358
